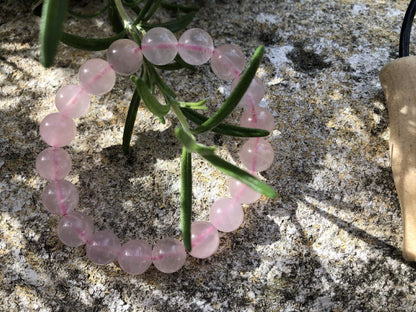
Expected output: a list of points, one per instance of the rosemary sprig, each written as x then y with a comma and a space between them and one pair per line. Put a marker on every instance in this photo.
53, 17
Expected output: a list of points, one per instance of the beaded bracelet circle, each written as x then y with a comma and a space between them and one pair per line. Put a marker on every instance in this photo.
96, 76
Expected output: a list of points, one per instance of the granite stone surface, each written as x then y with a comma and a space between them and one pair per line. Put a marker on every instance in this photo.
330, 241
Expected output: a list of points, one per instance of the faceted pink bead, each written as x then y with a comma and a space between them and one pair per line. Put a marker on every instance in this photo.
57, 129
96, 76
205, 239
169, 255
103, 247
72, 101
254, 93
227, 61
135, 257
242, 193
60, 197
75, 229
195, 46
226, 214
125, 56
53, 163
159, 46
257, 117
256, 154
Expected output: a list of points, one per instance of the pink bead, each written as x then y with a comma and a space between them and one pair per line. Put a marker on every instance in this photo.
254, 93
75, 229
103, 247
205, 239
57, 129
242, 193
135, 257
125, 56
60, 197
227, 61
96, 76
226, 214
257, 117
53, 163
195, 46
159, 46
256, 154
72, 101
169, 255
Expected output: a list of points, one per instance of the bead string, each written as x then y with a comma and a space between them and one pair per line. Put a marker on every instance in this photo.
97, 76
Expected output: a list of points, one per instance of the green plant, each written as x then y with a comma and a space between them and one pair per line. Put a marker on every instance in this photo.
53, 17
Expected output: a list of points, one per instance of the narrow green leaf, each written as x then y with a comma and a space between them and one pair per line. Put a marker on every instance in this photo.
148, 99
53, 17
186, 198
90, 15
163, 87
193, 105
188, 140
130, 120
224, 166
236, 95
174, 25
241, 175
90, 44
224, 128
115, 18
176, 7
151, 11
143, 12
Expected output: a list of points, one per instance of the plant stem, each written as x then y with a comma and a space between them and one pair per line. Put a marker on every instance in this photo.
127, 21
181, 117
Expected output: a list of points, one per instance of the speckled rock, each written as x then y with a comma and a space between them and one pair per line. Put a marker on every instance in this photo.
330, 241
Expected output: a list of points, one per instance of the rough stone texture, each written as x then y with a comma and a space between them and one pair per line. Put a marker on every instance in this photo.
330, 242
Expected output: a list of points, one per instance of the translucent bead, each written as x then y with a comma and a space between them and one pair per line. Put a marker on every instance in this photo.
159, 46
72, 101
257, 154
125, 56
103, 247
75, 229
227, 61
257, 117
135, 257
53, 163
96, 76
57, 129
254, 93
60, 197
169, 255
205, 239
242, 193
195, 46
226, 214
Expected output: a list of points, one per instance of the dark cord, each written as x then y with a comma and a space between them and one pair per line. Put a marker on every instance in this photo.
406, 29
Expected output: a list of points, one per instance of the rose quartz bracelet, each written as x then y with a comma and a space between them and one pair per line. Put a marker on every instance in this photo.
96, 76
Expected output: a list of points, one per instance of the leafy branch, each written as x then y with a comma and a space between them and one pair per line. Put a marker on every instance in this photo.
53, 17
